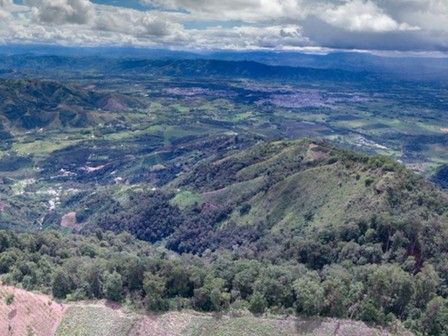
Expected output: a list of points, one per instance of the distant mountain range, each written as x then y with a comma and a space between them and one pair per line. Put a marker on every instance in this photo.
51, 64
398, 66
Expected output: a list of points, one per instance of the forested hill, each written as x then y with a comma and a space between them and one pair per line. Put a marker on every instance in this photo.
300, 200
292, 190
31, 104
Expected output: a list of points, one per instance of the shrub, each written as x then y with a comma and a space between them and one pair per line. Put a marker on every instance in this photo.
113, 286
257, 304
9, 299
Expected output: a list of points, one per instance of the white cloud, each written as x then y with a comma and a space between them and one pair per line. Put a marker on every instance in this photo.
5, 3
362, 16
238, 24
135, 23
240, 10
63, 11
427, 14
250, 37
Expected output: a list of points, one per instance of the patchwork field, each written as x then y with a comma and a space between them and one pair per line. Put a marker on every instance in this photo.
157, 130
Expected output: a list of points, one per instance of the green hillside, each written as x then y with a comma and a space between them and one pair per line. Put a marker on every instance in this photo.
305, 188
30, 104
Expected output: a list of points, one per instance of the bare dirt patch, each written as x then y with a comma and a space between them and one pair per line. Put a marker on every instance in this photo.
29, 313
69, 220
314, 153
170, 324
89, 169
3, 206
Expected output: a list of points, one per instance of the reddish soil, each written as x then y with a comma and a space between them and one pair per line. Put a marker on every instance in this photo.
112, 104
29, 313
69, 220
3, 206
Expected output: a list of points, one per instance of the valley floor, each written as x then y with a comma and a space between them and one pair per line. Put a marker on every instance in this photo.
28, 313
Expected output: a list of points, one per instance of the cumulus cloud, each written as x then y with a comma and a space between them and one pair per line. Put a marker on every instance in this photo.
427, 14
135, 23
243, 10
63, 11
250, 37
362, 16
4, 3
237, 24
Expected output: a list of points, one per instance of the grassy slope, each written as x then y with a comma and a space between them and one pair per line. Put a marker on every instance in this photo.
303, 183
98, 320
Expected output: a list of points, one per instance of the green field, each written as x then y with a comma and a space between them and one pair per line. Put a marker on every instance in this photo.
94, 321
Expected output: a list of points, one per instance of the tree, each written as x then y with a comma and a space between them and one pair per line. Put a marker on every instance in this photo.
339, 296
275, 283
62, 285
212, 296
4, 241
245, 278
7, 259
310, 294
92, 276
434, 320
154, 287
134, 274
391, 288
370, 313
426, 283
220, 300
113, 286
9, 299
257, 304
178, 281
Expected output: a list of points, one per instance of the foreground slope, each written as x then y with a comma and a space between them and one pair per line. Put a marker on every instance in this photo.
39, 315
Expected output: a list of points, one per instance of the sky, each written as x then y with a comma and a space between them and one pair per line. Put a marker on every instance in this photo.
304, 25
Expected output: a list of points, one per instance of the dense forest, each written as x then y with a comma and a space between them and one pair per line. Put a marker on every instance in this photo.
283, 227
122, 269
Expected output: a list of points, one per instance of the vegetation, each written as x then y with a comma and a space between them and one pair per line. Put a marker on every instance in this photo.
178, 195
286, 227
94, 320
118, 267
9, 299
